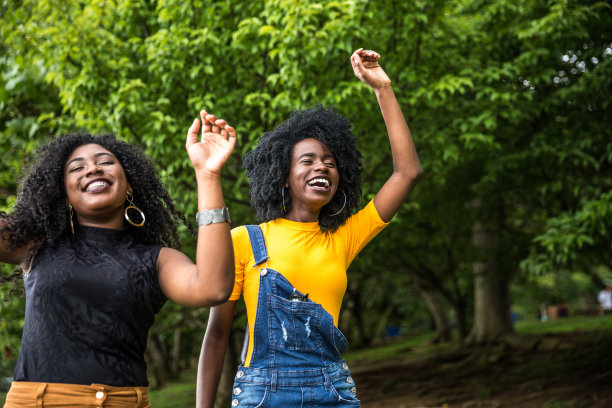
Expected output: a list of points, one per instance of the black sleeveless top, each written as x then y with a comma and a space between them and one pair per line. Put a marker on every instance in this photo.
90, 302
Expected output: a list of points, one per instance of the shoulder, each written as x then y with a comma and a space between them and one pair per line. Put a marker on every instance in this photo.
240, 232
241, 242
368, 215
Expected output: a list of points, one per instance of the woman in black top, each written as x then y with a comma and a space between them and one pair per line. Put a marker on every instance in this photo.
93, 230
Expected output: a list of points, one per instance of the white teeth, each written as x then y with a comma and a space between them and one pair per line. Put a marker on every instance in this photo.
96, 184
319, 180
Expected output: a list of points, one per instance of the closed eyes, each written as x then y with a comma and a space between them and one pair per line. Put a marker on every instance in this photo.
79, 168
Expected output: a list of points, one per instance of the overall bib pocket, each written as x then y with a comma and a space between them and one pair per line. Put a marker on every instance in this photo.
294, 325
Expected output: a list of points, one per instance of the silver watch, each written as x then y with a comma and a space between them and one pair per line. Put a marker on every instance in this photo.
212, 216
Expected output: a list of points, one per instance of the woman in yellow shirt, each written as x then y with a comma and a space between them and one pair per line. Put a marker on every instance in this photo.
305, 186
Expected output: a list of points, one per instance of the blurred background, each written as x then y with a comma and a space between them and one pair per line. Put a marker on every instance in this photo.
509, 103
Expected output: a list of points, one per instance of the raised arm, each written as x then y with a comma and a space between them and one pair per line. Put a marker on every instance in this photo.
210, 280
406, 165
213, 352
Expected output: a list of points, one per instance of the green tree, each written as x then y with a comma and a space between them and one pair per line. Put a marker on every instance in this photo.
506, 101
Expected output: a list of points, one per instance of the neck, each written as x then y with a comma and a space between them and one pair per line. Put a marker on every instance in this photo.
115, 222
302, 215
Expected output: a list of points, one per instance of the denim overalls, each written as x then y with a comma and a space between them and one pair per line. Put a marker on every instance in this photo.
296, 351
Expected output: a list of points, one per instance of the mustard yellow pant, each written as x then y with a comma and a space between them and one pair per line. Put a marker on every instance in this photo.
47, 395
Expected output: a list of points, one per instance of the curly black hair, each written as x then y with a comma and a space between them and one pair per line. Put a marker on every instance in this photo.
267, 166
41, 214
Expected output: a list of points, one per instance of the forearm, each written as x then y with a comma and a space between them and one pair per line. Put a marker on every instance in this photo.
212, 356
406, 165
214, 257
210, 367
405, 159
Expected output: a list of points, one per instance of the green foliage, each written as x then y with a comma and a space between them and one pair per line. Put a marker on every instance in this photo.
507, 102
27, 110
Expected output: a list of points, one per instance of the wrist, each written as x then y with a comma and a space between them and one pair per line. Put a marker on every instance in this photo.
207, 175
381, 89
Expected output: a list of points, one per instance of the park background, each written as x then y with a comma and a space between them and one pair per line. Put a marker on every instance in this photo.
509, 103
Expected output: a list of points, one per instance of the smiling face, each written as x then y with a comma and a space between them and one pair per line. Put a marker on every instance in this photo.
96, 186
313, 180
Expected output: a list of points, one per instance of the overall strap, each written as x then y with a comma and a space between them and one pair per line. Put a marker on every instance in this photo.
258, 244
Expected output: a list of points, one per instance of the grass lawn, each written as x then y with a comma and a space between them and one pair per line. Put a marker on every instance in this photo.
178, 394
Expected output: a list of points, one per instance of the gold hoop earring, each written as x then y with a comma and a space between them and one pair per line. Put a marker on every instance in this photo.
71, 213
131, 205
343, 205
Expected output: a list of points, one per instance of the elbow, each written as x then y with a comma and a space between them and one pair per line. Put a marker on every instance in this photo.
213, 292
417, 174
412, 175
211, 298
218, 298
222, 290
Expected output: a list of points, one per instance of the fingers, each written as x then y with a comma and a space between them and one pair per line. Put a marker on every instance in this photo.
206, 124
212, 124
358, 68
364, 55
220, 125
370, 55
231, 133
192, 133
356, 63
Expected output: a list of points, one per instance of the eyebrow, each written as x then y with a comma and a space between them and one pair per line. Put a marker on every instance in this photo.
95, 156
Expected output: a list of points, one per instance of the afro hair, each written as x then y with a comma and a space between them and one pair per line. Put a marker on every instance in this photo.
268, 165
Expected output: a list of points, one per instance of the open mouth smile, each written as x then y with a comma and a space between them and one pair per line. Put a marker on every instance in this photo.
96, 186
319, 183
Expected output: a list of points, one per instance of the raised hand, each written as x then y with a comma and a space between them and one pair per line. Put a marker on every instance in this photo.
215, 146
366, 68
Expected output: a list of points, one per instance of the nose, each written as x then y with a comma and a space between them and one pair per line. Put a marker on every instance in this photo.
93, 169
320, 167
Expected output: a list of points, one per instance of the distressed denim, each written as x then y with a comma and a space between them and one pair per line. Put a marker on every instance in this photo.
296, 351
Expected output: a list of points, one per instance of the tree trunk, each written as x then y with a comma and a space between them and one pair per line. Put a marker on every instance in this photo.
491, 289
158, 361
436, 310
491, 306
443, 330
176, 353
460, 308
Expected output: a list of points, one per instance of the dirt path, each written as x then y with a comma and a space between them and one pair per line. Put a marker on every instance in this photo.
570, 370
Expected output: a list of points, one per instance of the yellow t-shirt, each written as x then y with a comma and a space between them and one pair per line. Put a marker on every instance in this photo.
315, 262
